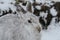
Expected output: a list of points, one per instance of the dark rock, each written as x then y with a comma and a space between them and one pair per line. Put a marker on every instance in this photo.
48, 18
10, 11
44, 8
36, 12
42, 22
24, 4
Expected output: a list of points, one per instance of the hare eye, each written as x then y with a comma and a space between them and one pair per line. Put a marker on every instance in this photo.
29, 21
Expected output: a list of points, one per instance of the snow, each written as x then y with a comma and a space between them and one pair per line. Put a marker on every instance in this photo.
56, 0
43, 14
53, 32
38, 7
7, 4
41, 1
53, 11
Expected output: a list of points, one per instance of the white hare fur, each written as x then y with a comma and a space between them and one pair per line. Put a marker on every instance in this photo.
13, 27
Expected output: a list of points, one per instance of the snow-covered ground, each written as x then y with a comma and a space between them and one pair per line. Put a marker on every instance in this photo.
6, 4
53, 32
10, 20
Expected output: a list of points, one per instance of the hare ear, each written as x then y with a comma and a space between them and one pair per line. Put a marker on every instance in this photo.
29, 7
